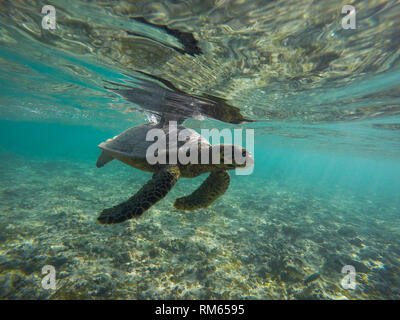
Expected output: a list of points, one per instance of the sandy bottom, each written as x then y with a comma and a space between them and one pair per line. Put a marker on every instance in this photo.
261, 240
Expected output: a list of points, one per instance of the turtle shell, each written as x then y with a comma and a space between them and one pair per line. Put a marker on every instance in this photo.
132, 142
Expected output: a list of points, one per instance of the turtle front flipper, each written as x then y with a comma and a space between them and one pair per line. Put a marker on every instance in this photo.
210, 190
152, 192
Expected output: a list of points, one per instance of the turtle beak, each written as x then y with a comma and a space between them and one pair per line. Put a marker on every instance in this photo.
249, 160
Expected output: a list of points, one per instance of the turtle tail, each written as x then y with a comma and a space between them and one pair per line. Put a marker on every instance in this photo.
103, 159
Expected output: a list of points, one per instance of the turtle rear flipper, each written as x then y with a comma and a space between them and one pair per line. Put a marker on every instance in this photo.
211, 189
103, 159
152, 192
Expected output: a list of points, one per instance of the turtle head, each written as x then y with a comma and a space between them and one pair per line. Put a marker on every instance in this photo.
230, 156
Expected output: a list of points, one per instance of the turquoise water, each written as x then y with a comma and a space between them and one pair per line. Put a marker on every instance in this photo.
324, 190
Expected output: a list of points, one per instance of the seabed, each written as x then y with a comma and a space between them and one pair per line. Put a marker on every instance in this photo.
276, 241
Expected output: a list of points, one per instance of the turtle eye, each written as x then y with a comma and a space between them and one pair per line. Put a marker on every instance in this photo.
188, 153
244, 153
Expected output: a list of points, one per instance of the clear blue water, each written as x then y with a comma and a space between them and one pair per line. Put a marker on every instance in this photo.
324, 190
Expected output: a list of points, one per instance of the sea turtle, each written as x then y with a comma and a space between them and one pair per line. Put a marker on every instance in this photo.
131, 148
